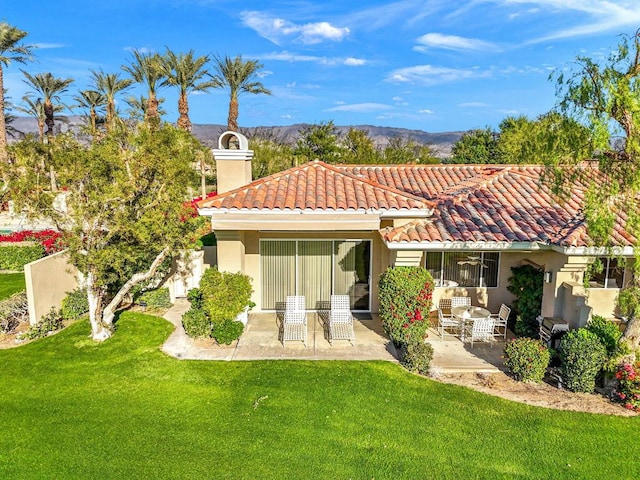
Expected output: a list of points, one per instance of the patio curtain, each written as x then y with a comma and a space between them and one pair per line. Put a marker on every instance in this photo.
314, 264
278, 272
345, 268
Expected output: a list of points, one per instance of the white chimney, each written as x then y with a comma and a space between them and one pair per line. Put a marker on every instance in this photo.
233, 161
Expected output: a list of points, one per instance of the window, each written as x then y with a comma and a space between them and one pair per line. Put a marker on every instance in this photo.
465, 269
607, 273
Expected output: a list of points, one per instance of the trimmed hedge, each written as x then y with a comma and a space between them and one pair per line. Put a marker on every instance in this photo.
527, 359
15, 257
582, 356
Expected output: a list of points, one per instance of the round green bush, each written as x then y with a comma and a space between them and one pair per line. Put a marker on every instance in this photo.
224, 294
607, 331
582, 356
196, 324
405, 301
527, 359
75, 304
227, 331
417, 356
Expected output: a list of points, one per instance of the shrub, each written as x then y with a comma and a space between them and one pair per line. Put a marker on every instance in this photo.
628, 391
224, 294
196, 324
607, 331
417, 356
51, 322
50, 240
582, 356
75, 304
526, 283
227, 331
195, 298
14, 257
158, 298
405, 301
527, 359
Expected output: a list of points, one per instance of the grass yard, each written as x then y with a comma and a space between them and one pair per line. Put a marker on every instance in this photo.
11, 283
72, 409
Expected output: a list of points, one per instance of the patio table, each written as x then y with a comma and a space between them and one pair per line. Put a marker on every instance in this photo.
468, 314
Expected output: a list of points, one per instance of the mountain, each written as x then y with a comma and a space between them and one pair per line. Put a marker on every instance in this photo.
440, 142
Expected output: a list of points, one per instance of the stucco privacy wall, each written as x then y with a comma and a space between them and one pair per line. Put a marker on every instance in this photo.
48, 281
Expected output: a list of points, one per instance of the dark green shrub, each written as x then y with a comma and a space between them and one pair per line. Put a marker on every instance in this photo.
196, 324
51, 322
405, 301
75, 304
14, 257
582, 356
158, 298
195, 298
607, 331
526, 283
527, 359
227, 331
417, 356
224, 294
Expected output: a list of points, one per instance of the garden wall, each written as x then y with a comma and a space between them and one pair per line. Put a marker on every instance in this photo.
48, 281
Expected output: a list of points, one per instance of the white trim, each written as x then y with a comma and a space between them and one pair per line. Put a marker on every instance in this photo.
384, 213
484, 246
594, 251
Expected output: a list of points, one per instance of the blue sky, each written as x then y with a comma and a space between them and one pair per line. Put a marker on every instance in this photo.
434, 65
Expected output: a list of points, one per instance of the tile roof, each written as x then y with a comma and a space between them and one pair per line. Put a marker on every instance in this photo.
477, 203
316, 186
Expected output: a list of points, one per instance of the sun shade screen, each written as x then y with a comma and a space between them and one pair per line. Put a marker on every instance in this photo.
314, 279
278, 272
467, 269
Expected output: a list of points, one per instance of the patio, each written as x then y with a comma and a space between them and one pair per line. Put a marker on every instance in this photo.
261, 341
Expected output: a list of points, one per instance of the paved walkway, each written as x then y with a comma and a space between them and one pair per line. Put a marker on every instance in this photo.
260, 341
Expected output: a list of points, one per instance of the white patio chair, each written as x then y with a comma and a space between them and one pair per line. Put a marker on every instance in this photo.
480, 330
294, 322
341, 320
500, 321
460, 302
447, 325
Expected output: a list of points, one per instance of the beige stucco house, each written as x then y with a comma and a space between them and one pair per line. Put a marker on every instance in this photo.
320, 229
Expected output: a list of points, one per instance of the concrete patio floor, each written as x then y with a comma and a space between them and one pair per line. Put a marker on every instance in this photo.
261, 341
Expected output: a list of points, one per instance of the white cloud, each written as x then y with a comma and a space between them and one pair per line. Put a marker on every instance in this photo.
43, 46
452, 42
360, 108
432, 75
279, 30
473, 105
286, 117
354, 62
426, 110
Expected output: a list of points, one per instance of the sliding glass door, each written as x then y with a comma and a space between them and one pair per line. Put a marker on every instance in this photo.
316, 269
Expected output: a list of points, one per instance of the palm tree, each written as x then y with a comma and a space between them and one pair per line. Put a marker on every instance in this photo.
238, 76
138, 107
35, 108
109, 85
10, 49
146, 69
93, 101
49, 88
185, 72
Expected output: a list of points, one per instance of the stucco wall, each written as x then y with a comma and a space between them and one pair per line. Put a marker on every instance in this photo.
48, 282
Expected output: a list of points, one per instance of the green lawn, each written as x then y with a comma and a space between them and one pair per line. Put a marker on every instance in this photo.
11, 283
72, 409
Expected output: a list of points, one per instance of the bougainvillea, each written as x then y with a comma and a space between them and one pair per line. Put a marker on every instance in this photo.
628, 391
50, 239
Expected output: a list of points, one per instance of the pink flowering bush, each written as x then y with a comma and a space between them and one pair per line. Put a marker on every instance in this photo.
628, 391
49, 239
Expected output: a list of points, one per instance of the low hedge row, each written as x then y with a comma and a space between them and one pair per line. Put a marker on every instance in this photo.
15, 257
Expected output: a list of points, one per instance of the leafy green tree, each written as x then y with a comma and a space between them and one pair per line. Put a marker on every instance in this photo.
185, 72
319, 141
146, 69
359, 148
239, 77
11, 49
476, 146
110, 85
604, 97
271, 153
125, 214
50, 89
405, 150
93, 101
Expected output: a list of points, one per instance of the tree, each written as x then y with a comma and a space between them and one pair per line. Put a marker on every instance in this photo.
49, 88
93, 101
110, 85
272, 153
146, 69
603, 96
139, 106
319, 141
476, 146
401, 150
185, 72
239, 77
35, 108
10, 50
359, 148
126, 215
